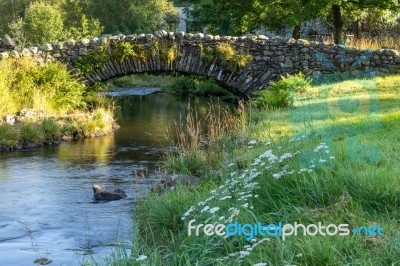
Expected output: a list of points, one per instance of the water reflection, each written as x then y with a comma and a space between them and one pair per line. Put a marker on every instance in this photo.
98, 150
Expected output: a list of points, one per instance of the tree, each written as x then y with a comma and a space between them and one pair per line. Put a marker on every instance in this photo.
11, 10
227, 17
238, 17
148, 15
340, 7
86, 29
77, 22
43, 23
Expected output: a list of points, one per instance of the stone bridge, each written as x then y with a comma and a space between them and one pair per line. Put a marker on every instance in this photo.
270, 58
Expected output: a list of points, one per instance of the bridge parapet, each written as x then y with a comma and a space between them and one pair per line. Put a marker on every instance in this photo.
271, 58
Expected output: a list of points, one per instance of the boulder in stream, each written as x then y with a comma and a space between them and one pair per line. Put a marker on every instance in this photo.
108, 192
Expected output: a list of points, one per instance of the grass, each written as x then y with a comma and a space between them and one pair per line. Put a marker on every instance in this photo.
331, 158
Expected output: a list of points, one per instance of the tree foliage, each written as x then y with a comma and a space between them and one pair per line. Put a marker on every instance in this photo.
31, 22
243, 16
147, 15
43, 22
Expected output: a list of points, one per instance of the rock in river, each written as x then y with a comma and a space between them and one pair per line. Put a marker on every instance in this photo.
108, 193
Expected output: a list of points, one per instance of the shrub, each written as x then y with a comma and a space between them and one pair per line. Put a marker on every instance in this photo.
226, 56
169, 53
225, 52
50, 129
210, 88
65, 91
32, 132
183, 86
280, 94
123, 51
50, 88
9, 135
276, 96
92, 60
207, 54
295, 83
242, 59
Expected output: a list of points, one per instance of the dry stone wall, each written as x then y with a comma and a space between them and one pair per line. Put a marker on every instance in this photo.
272, 57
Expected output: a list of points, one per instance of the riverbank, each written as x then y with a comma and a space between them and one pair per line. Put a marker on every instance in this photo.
47, 104
330, 159
32, 129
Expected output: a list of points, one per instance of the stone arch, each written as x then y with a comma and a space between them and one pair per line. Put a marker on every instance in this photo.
272, 58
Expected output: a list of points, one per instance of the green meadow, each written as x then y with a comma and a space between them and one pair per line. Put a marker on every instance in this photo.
332, 158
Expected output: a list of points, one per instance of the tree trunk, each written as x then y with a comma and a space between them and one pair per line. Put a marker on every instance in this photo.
358, 29
338, 24
296, 32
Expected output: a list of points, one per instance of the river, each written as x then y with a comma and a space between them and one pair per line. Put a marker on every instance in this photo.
47, 207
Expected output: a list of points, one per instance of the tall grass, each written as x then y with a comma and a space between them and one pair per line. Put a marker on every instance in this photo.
375, 43
202, 143
50, 88
365, 43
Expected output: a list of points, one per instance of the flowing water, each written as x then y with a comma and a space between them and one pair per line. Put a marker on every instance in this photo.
46, 199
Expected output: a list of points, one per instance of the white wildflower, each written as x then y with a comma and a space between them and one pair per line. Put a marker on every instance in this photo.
225, 197
236, 212
206, 208
213, 210
243, 254
141, 258
260, 264
252, 142
322, 160
285, 156
276, 176
269, 155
